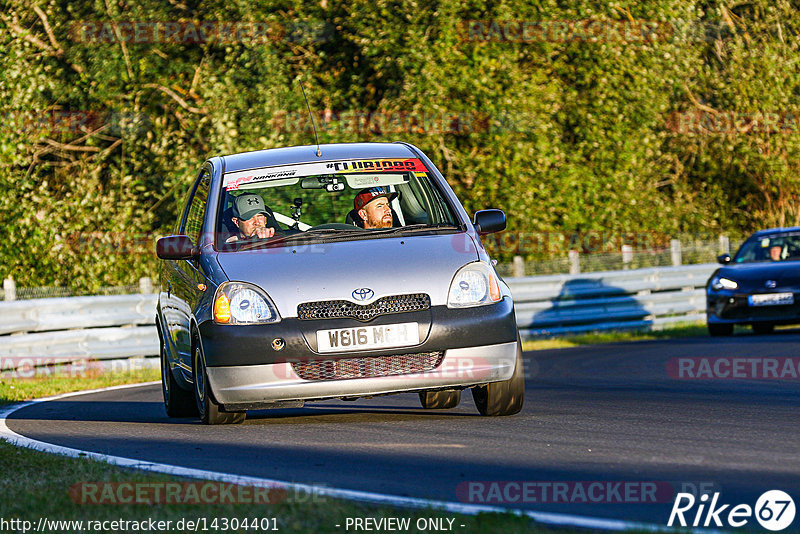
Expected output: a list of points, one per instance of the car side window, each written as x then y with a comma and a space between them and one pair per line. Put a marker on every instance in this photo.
197, 208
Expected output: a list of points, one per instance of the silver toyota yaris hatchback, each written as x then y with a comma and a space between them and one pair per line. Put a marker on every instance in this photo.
341, 271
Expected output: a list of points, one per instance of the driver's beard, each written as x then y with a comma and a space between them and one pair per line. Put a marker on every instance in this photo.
379, 223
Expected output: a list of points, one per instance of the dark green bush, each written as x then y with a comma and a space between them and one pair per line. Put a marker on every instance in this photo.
616, 135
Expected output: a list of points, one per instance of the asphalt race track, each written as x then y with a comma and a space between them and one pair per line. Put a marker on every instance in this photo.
617, 413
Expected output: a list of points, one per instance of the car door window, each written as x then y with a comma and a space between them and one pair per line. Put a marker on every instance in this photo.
197, 208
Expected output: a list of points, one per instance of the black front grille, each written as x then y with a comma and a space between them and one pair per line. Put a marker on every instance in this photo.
371, 367
740, 309
338, 309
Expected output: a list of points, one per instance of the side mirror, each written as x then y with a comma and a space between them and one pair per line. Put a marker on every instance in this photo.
176, 247
489, 221
725, 259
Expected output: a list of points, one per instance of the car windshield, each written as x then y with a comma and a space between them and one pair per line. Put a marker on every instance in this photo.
352, 199
776, 247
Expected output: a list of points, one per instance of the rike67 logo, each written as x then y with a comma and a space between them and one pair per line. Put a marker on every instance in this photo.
774, 510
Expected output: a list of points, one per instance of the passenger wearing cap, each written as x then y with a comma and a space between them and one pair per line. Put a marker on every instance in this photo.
250, 217
374, 208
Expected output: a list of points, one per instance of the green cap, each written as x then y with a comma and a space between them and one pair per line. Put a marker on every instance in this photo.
247, 206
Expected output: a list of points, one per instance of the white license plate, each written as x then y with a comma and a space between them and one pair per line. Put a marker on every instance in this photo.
368, 337
771, 299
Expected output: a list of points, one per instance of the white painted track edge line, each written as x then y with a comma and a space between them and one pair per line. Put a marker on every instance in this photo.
548, 518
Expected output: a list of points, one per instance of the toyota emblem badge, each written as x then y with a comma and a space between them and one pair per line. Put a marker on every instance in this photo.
363, 293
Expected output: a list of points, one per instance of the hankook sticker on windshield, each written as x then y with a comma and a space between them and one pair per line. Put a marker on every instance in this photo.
234, 180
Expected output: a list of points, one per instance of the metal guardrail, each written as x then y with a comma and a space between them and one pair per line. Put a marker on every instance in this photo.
40, 315
640, 298
103, 327
94, 343
114, 327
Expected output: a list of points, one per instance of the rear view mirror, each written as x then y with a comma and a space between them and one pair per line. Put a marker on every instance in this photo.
724, 259
313, 182
176, 247
489, 221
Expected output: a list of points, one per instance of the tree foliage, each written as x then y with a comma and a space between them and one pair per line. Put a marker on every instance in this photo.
685, 130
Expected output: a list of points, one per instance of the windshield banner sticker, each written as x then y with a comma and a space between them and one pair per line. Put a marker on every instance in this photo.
234, 180
362, 180
377, 165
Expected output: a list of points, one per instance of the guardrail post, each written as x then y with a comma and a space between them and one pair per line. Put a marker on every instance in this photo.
9, 289
518, 267
145, 285
574, 262
627, 256
724, 244
675, 251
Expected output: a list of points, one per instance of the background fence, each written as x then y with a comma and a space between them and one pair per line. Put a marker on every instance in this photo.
685, 251
39, 331
628, 299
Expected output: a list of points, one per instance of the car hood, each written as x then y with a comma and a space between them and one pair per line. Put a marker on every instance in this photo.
755, 275
292, 275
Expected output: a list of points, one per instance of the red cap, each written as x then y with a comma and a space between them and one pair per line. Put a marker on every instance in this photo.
365, 196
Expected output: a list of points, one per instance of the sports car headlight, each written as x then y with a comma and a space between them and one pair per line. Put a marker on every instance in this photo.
475, 284
718, 283
243, 303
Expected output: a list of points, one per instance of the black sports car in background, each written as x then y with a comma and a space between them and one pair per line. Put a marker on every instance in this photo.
760, 286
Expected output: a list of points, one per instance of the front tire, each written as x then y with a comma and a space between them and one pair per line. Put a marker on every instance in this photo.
440, 400
506, 397
207, 407
718, 329
177, 401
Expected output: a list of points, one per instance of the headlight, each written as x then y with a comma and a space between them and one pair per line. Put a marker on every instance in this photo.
718, 283
242, 303
475, 284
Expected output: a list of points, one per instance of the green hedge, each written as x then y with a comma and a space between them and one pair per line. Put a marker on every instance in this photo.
567, 133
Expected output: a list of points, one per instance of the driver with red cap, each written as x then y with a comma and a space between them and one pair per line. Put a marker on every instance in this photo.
374, 208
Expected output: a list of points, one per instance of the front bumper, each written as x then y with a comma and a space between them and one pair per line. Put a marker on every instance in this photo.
440, 328
263, 386
732, 307
476, 346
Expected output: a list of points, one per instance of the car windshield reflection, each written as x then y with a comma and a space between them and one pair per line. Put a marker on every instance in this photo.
365, 199
770, 248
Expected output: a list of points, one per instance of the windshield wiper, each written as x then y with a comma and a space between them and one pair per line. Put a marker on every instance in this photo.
412, 228
326, 232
